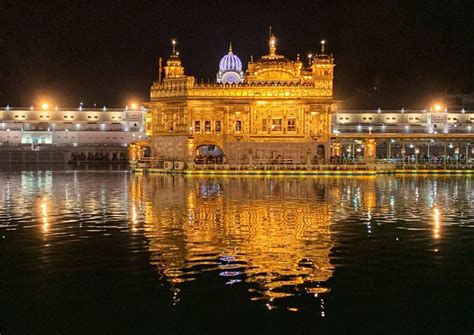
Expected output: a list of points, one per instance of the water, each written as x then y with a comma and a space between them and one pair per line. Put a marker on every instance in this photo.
111, 252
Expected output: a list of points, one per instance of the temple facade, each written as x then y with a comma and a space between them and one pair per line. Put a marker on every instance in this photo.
276, 110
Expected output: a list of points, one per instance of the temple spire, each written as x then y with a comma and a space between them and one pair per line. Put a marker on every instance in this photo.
323, 42
230, 47
272, 44
173, 43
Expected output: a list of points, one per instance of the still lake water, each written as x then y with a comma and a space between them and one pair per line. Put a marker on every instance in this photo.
112, 252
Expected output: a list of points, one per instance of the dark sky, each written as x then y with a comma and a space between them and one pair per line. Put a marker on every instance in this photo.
106, 52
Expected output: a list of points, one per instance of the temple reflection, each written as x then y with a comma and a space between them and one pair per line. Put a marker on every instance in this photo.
271, 233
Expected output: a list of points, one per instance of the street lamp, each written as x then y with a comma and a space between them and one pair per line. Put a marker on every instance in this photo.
417, 151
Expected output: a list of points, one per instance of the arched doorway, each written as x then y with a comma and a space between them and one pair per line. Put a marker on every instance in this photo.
321, 153
209, 154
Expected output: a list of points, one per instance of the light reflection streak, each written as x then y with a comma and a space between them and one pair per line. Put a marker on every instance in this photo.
44, 215
134, 218
436, 223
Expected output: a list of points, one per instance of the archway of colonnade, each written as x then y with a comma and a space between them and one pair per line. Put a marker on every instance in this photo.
431, 151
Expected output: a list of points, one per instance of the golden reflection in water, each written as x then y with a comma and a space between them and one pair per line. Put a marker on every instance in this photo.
272, 233
436, 223
44, 214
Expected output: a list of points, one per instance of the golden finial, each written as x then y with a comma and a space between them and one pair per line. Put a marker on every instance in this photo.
298, 57
270, 31
272, 44
323, 42
230, 47
173, 43
251, 58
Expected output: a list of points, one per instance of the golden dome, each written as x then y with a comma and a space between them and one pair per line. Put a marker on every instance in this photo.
273, 67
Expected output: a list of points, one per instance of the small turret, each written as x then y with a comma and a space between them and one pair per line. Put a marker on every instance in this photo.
323, 69
173, 68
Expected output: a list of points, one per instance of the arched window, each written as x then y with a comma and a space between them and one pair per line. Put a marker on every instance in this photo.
238, 125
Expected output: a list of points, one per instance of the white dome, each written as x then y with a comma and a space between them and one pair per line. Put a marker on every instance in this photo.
230, 62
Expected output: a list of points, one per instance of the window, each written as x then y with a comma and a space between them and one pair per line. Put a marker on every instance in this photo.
276, 124
197, 126
264, 124
238, 125
207, 126
218, 126
291, 124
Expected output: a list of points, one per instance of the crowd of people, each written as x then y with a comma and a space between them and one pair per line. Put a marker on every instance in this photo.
98, 157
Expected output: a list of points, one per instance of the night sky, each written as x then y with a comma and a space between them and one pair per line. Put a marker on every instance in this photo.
389, 54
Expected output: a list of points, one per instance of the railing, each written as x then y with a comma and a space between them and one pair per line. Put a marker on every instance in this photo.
280, 167
160, 163
440, 166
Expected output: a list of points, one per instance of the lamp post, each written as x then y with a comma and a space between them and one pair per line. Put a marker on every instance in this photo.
417, 151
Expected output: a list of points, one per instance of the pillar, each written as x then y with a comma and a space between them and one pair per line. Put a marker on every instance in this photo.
132, 152
370, 150
190, 150
336, 149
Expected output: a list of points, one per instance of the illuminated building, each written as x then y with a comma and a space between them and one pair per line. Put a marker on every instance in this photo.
416, 135
72, 130
277, 110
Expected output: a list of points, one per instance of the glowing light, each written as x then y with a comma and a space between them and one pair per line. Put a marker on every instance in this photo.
44, 105
436, 223
44, 215
134, 218
133, 105
437, 107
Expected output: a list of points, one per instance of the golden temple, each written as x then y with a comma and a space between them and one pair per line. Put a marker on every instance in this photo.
277, 110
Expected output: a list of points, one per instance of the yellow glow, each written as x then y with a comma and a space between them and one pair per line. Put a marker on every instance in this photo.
436, 223
437, 107
44, 105
134, 105
44, 214
134, 218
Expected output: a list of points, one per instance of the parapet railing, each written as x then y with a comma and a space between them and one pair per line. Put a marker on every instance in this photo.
159, 163
280, 167
439, 166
